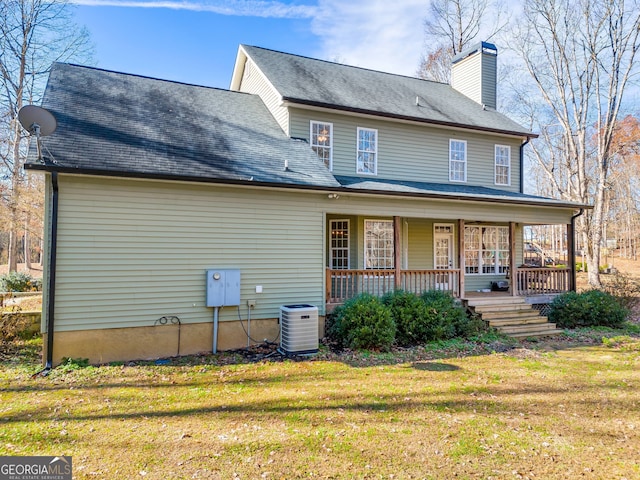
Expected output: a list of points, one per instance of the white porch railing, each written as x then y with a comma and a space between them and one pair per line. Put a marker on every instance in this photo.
345, 284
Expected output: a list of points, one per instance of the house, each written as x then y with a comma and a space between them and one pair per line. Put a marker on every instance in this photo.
313, 180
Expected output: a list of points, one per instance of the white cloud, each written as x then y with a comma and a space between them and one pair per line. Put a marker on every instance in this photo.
252, 8
382, 35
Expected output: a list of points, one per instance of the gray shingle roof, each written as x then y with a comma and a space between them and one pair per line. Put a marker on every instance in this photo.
132, 125
317, 82
125, 125
441, 190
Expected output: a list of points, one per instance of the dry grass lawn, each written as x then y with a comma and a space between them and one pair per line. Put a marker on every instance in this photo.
562, 409
538, 411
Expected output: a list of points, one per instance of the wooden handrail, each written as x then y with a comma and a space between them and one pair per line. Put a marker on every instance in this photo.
541, 280
344, 284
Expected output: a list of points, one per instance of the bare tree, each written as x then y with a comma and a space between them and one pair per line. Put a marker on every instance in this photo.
33, 35
453, 25
581, 57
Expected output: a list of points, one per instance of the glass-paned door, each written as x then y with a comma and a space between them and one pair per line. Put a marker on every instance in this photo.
443, 254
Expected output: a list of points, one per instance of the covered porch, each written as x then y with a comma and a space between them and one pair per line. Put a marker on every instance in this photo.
466, 258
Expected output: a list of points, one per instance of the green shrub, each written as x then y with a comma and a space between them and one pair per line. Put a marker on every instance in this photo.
409, 313
587, 309
19, 282
447, 318
363, 322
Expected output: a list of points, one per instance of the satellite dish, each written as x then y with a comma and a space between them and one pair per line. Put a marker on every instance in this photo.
37, 120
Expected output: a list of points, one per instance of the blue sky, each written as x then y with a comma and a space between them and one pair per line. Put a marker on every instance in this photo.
196, 41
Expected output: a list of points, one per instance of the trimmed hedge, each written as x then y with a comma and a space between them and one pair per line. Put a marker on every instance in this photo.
363, 322
407, 319
587, 309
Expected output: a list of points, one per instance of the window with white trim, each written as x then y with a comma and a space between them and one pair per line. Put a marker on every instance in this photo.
486, 250
367, 151
503, 165
321, 135
457, 160
339, 244
378, 244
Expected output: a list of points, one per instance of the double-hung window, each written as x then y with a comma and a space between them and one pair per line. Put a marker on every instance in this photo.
378, 244
457, 160
322, 141
503, 165
367, 151
486, 250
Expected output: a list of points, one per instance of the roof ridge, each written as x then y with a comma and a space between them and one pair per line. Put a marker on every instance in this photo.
146, 77
346, 65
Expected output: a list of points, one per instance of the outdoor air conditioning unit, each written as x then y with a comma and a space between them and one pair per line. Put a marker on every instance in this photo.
298, 329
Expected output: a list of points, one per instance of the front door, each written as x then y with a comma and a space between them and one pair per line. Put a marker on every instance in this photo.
443, 254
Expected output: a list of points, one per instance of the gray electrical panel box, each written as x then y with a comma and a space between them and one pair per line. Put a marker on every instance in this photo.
223, 288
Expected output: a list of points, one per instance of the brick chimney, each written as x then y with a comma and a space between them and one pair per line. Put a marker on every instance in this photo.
474, 73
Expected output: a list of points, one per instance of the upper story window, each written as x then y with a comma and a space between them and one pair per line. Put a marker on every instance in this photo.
503, 165
457, 160
322, 141
367, 151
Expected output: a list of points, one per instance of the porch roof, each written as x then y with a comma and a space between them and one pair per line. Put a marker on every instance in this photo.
448, 191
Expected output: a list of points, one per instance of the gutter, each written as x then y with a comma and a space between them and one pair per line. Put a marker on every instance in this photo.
342, 190
522, 164
572, 259
51, 284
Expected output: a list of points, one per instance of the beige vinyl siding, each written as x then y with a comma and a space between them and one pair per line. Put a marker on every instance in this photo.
465, 75
411, 152
475, 77
254, 81
131, 252
420, 244
489, 77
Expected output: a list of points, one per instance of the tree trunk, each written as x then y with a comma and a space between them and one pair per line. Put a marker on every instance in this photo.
15, 196
27, 250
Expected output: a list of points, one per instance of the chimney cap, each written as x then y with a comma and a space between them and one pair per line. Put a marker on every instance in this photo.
484, 47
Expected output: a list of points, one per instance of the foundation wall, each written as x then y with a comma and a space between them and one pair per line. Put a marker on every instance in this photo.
149, 343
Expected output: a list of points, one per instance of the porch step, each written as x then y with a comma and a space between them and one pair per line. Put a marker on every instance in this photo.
520, 314
523, 331
512, 316
515, 307
495, 300
507, 322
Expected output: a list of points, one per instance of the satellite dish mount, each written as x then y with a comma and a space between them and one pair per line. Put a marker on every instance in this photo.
38, 121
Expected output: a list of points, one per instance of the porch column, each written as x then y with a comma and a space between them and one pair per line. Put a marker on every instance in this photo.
397, 251
512, 259
461, 257
571, 256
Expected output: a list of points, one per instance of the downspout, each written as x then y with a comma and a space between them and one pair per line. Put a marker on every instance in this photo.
572, 260
522, 164
51, 284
